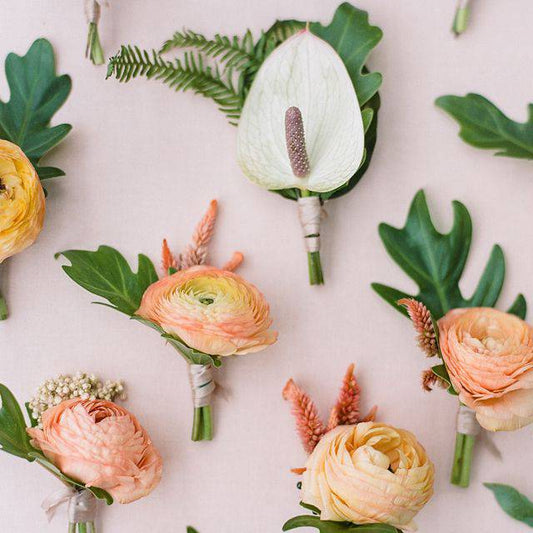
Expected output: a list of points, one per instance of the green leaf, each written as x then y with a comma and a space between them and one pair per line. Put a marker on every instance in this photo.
190, 354
326, 526
519, 307
99, 493
515, 504
483, 125
36, 94
353, 38
107, 274
442, 372
191, 530
13, 436
436, 261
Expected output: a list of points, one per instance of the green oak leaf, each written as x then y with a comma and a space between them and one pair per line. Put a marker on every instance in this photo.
351, 35
36, 94
327, 526
442, 372
13, 436
106, 273
483, 125
515, 504
99, 493
436, 261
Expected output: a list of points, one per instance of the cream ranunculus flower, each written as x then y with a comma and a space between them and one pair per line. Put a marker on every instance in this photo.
22, 204
489, 356
211, 310
368, 473
306, 73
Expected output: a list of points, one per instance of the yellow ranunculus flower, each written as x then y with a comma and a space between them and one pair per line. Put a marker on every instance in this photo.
368, 473
22, 204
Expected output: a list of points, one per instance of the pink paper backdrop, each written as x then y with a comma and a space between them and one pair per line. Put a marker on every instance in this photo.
142, 164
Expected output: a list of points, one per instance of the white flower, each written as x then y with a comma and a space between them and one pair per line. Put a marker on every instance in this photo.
304, 72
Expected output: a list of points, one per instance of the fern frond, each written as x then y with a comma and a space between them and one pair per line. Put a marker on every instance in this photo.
233, 52
187, 73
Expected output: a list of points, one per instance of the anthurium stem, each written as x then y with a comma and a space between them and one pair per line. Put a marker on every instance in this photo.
316, 276
3, 304
462, 460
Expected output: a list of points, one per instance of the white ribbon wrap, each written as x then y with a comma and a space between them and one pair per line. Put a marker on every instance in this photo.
81, 504
93, 9
202, 384
310, 213
466, 421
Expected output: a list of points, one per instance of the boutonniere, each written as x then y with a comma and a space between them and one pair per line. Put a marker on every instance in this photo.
94, 50
36, 93
485, 126
485, 355
302, 96
203, 312
95, 447
360, 473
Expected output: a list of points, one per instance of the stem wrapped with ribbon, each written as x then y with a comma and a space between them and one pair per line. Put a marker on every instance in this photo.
94, 50
203, 312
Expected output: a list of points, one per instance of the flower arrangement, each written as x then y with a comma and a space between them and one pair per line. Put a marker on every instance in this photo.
486, 355
203, 312
359, 472
25, 137
309, 146
96, 448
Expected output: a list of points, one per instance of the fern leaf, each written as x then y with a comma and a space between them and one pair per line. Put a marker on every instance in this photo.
233, 52
187, 73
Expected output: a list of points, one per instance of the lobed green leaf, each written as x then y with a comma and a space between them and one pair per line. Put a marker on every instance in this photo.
436, 261
483, 125
36, 94
106, 273
326, 526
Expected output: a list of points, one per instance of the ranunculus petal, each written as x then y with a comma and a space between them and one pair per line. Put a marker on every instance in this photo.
102, 445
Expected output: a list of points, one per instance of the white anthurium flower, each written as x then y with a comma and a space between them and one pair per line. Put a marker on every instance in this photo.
305, 73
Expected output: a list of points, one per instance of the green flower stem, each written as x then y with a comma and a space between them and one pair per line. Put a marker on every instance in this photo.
72, 527
3, 304
91, 528
202, 428
82, 527
462, 16
316, 277
94, 49
462, 460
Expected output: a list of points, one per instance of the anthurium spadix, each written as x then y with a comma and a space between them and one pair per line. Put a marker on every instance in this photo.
301, 128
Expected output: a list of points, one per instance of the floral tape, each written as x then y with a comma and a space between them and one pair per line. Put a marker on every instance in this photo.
310, 213
202, 384
466, 421
81, 504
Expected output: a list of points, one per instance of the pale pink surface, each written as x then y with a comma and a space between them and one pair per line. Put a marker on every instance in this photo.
489, 355
102, 445
142, 163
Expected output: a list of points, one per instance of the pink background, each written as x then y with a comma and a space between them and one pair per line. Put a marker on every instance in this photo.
142, 164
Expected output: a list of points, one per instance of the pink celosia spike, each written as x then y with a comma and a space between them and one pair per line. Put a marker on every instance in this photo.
421, 318
346, 410
196, 253
308, 423
234, 263
167, 258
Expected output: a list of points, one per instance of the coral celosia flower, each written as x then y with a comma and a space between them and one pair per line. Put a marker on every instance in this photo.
489, 356
211, 310
102, 445
22, 204
368, 473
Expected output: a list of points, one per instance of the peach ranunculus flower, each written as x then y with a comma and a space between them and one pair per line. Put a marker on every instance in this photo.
489, 356
368, 473
100, 444
211, 310
22, 203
